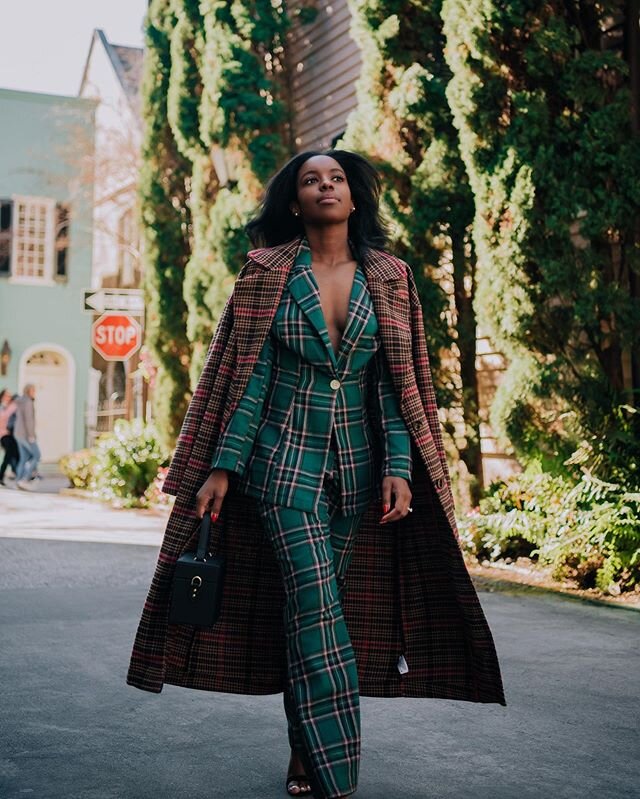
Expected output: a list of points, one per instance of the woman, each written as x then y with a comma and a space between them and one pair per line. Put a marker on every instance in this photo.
7, 408
316, 407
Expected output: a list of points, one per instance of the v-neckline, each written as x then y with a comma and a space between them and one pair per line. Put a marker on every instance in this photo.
349, 310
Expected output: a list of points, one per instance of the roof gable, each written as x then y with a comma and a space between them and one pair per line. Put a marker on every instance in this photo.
127, 66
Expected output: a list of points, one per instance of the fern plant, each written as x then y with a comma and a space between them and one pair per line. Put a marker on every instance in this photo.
588, 529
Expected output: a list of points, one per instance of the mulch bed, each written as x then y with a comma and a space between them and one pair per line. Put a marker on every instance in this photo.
524, 576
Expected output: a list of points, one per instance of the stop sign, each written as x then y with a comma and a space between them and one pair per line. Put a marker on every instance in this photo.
116, 336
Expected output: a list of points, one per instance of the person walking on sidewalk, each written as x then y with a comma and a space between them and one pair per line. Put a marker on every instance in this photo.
25, 435
8, 408
314, 441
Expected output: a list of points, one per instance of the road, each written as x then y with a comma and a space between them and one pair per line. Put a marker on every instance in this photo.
71, 728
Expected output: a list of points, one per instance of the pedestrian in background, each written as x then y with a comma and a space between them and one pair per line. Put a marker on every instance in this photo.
25, 435
8, 409
314, 441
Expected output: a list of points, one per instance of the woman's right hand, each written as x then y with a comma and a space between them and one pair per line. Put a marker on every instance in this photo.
210, 496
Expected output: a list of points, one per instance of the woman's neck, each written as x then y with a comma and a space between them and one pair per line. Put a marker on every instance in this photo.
329, 245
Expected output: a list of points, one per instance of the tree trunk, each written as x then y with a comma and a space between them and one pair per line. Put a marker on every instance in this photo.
467, 332
632, 55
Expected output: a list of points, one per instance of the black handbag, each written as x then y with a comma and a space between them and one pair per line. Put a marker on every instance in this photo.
197, 583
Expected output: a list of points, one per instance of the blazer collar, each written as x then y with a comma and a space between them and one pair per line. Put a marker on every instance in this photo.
376, 263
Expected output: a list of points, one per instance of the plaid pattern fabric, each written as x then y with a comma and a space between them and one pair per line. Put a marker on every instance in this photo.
408, 591
321, 696
306, 395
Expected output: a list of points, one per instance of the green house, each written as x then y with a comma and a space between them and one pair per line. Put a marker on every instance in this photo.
46, 193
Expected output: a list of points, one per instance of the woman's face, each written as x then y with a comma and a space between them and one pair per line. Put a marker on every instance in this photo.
323, 193
5, 398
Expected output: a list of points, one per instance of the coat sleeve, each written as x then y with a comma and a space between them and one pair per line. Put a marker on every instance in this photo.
236, 442
397, 460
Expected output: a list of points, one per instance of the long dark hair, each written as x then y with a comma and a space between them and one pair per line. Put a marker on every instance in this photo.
275, 224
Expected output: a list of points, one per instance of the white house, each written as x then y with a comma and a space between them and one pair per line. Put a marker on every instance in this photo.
111, 76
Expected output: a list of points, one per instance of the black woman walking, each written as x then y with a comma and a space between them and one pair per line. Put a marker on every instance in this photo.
314, 442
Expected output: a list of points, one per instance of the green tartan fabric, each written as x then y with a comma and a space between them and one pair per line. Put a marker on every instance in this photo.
322, 700
301, 396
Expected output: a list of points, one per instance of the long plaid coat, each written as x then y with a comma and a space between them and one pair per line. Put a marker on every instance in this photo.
408, 591
278, 445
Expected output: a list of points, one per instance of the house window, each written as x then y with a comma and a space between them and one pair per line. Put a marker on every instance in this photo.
34, 239
5, 236
61, 240
32, 246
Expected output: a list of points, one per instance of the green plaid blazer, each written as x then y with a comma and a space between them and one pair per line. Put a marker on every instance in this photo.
301, 393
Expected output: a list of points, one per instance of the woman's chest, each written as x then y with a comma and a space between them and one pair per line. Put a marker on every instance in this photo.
335, 291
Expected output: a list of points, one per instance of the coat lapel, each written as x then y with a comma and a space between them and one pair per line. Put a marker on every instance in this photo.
256, 295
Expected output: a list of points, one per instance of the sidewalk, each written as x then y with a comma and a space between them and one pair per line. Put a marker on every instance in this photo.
52, 481
46, 514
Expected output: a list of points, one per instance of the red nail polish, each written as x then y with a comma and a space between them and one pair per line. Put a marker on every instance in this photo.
385, 508
214, 517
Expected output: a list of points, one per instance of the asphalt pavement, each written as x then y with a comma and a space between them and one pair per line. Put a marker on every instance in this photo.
70, 727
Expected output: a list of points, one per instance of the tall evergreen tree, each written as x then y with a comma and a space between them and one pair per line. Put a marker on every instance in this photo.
403, 121
543, 110
229, 121
165, 228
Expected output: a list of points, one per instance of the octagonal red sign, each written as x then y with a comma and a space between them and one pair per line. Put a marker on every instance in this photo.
116, 336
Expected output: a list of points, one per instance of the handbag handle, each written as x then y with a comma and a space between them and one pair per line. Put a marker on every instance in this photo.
203, 537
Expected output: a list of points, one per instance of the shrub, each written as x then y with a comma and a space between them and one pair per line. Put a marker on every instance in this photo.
79, 467
127, 462
612, 451
588, 530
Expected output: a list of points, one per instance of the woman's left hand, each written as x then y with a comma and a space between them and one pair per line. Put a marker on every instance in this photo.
399, 488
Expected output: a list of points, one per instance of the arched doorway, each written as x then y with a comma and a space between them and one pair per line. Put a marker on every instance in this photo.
52, 371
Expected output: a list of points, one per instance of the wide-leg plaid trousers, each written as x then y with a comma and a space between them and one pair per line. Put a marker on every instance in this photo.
322, 701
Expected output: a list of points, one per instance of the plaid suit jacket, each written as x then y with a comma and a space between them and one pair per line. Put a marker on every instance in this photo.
301, 392
408, 591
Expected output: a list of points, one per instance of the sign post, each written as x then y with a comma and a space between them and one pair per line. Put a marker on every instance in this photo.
116, 336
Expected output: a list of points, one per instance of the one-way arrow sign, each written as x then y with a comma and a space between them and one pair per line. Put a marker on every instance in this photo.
101, 300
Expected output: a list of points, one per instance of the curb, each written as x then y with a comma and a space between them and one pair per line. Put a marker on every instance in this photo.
485, 579
80, 493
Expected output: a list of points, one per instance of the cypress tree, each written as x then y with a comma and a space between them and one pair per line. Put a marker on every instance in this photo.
404, 122
165, 229
229, 120
543, 104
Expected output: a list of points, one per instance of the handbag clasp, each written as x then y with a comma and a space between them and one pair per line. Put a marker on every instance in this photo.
196, 583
